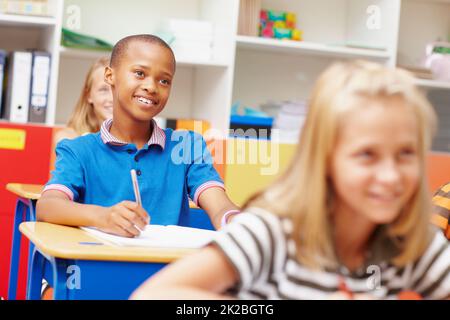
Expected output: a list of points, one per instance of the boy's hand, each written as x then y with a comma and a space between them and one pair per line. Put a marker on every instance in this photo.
123, 218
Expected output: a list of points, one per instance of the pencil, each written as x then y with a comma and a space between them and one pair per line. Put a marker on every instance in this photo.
137, 193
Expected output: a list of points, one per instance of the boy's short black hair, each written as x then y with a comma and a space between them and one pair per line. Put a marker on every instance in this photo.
121, 46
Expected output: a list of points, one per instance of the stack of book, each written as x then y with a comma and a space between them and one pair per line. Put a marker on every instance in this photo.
192, 39
249, 11
289, 121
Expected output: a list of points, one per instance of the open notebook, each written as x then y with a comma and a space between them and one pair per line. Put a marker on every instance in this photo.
160, 236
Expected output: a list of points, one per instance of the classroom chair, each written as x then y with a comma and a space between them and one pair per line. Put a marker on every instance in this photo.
441, 209
27, 196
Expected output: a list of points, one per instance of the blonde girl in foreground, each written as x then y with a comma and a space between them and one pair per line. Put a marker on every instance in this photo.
93, 106
350, 216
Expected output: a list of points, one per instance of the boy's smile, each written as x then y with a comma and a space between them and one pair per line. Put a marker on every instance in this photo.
141, 81
146, 101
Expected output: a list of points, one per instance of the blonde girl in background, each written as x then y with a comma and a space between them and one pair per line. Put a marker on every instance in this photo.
93, 106
348, 219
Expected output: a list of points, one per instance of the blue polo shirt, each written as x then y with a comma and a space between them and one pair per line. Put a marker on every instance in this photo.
172, 166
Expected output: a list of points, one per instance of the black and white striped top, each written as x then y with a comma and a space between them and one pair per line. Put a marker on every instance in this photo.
259, 246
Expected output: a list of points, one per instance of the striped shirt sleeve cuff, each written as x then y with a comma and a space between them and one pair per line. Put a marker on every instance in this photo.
206, 186
61, 188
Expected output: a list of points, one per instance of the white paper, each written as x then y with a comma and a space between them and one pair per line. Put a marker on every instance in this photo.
160, 236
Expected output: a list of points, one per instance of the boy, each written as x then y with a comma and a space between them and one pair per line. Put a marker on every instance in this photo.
91, 184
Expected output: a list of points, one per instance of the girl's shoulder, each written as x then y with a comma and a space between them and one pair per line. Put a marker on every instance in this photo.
65, 133
430, 276
437, 251
275, 225
439, 244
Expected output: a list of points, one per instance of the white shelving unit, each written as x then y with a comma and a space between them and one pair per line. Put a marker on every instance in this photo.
22, 20
278, 70
430, 1
273, 70
22, 32
433, 84
308, 48
247, 69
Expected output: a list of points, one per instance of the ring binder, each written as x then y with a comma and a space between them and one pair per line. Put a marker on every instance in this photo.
40, 78
18, 89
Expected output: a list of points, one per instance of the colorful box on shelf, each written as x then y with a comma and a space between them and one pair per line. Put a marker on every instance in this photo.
26, 7
279, 25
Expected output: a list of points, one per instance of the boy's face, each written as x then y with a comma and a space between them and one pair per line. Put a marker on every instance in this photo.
141, 81
375, 166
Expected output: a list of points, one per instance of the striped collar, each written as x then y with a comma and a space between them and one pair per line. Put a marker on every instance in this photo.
158, 135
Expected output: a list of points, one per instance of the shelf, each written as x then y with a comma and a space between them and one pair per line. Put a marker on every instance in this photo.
433, 84
95, 54
82, 54
432, 1
193, 63
24, 20
302, 47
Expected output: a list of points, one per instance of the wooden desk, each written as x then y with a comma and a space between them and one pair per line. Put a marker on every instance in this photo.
28, 191
84, 267
27, 195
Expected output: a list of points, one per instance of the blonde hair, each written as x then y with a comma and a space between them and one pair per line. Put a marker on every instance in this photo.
83, 118
304, 194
